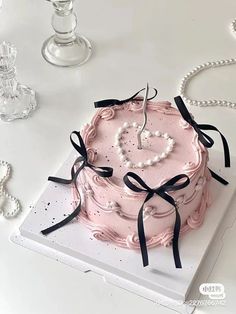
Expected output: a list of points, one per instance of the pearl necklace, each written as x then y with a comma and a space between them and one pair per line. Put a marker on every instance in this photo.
9, 205
200, 68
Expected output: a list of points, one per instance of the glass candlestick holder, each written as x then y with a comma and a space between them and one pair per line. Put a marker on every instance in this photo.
65, 48
16, 100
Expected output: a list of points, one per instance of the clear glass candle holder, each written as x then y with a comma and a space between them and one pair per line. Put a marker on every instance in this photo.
65, 48
16, 100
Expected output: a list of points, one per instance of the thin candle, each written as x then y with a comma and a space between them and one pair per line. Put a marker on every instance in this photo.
144, 117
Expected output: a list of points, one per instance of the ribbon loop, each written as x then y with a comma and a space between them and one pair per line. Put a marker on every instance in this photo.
161, 191
112, 102
134, 187
205, 139
83, 162
81, 149
171, 185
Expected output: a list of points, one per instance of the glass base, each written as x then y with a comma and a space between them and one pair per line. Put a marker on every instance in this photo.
74, 53
18, 107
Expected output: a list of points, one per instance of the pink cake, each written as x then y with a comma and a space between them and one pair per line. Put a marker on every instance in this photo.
170, 147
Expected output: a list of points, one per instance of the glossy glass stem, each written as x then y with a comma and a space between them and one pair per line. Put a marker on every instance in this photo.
64, 22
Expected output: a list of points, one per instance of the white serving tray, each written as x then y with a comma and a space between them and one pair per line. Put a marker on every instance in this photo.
160, 282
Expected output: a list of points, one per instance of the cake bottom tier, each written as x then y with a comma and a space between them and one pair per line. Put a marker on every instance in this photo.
108, 221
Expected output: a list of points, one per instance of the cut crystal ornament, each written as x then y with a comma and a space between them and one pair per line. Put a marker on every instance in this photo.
16, 100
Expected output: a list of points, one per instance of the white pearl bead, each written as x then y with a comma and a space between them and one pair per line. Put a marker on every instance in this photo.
165, 135
163, 155
148, 133
157, 133
126, 125
129, 164
169, 149
157, 158
140, 164
149, 162
135, 124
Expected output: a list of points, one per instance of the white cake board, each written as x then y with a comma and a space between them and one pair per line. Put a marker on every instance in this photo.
160, 282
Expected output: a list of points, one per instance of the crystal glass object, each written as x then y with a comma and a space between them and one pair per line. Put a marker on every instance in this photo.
16, 100
65, 48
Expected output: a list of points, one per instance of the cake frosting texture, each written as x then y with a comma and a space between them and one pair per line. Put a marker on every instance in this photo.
170, 147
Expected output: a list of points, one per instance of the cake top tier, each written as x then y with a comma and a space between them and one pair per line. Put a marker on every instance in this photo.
170, 144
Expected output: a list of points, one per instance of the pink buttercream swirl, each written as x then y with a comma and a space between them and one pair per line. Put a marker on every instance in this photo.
88, 133
190, 167
92, 154
164, 238
104, 234
132, 241
99, 181
107, 113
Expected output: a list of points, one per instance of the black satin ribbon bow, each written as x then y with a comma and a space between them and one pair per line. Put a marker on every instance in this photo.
161, 191
82, 161
205, 139
112, 102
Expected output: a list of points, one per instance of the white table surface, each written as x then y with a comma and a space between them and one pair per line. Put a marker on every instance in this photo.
134, 41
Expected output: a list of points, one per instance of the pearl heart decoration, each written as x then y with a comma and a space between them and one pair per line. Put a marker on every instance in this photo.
9, 205
147, 133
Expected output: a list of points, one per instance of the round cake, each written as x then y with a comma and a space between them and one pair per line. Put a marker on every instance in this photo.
170, 147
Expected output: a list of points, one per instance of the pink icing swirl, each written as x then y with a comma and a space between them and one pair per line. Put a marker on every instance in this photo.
190, 167
98, 180
194, 221
92, 154
107, 113
134, 106
166, 237
104, 234
89, 133
132, 241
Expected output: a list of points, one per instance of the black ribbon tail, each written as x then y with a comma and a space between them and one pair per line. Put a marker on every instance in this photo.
141, 232
205, 139
224, 141
63, 222
162, 191
175, 241
142, 239
59, 180
82, 161
177, 225
218, 178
